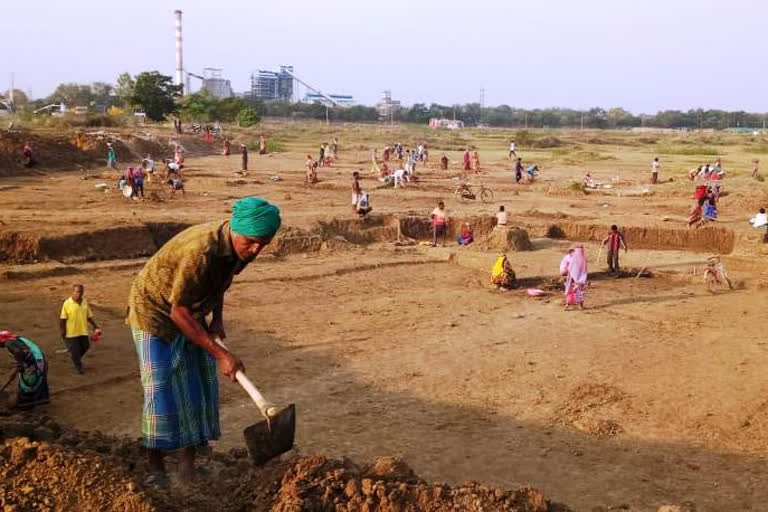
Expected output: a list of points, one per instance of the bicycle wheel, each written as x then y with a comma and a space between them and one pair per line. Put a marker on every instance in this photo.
486, 195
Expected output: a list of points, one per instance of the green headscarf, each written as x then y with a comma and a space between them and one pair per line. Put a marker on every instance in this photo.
254, 216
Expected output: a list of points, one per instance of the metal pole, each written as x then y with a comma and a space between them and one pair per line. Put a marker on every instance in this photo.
327, 122
179, 62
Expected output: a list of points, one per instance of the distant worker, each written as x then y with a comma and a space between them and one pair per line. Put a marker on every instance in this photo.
467, 161
310, 178
755, 167
518, 170
335, 148
111, 160
375, 163
227, 147
655, 166
615, 241
502, 274
439, 218
532, 171
512, 149
244, 153
444, 163
425, 155
363, 204
262, 145
149, 166
476, 162
31, 370
321, 158
501, 217
356, 190
29, 156
400, 177
75, 316
466, 236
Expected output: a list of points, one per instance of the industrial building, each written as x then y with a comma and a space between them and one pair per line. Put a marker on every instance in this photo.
215, 84
387, 107
341, 100
271, 85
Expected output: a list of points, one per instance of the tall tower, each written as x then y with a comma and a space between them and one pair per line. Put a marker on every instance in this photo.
179, 63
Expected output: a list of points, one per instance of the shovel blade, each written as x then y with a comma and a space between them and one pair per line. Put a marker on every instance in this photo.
268, 439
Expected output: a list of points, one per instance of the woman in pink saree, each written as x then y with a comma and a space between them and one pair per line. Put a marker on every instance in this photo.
576, 280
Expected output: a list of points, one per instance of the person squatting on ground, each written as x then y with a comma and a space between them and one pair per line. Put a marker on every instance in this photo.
31, 370
75, 316
439, 223
177, 349
502, 274
363, 207
615, 241
576, 280
466, 236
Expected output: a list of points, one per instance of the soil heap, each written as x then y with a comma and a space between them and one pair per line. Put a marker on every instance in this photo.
44, 467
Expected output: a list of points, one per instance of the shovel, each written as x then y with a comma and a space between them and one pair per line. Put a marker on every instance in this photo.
275, 433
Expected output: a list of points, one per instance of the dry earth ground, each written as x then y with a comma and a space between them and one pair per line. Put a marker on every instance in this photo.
655, 394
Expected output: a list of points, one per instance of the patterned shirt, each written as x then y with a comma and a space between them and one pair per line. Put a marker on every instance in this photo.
193, 269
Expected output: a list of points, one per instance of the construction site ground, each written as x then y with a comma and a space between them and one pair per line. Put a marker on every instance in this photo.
654, 394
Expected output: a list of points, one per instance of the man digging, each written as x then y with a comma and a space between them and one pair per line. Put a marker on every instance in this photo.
169, 301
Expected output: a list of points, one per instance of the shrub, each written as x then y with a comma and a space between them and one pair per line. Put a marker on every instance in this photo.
247, 117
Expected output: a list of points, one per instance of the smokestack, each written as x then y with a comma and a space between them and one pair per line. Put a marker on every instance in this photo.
179, 64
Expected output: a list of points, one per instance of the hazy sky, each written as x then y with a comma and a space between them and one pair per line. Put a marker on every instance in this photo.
644, 55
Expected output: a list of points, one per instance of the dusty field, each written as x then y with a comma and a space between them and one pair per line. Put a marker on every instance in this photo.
655, 394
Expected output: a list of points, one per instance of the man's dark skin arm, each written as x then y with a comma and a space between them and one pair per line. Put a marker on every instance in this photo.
63, 327
217, 322
197, 334
93, 323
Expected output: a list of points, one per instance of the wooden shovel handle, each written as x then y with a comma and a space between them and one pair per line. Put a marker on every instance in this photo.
267, 409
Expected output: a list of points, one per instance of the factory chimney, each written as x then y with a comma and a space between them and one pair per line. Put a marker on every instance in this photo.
179, 64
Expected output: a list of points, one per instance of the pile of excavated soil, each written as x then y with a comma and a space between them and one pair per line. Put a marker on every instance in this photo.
43, 467
507, 239
59, 151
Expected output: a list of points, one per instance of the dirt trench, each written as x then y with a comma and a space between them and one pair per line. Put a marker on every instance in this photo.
143, 239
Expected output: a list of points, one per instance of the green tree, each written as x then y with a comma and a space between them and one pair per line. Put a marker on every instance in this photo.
156, 94
72, 95
228, 109
201, 107
247, 117
124, 88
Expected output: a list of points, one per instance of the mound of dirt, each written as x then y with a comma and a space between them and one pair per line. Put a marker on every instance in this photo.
509, 239
54, 469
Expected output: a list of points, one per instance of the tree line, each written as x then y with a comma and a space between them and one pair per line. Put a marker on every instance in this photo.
157, 96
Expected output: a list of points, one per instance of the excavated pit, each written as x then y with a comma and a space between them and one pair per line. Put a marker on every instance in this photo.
143, 239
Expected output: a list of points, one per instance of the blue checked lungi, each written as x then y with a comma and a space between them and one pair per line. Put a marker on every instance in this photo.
181, 392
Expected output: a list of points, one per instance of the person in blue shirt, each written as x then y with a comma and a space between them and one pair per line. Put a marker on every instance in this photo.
31, 371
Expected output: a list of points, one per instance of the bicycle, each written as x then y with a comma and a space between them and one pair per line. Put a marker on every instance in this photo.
715, 275
466, 191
